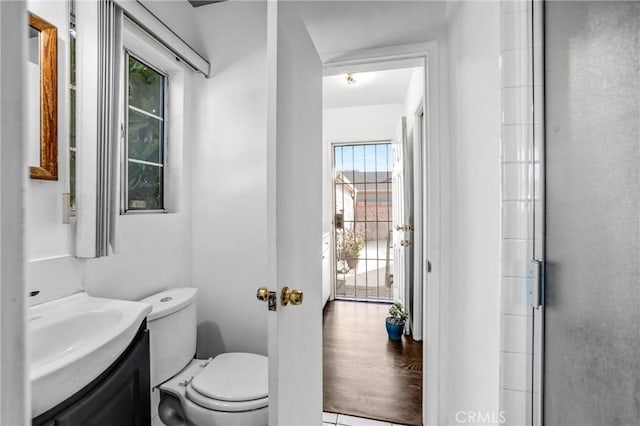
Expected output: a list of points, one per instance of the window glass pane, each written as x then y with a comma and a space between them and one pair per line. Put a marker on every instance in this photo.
358, 163
145, 137
145, 188
72, 178
146, 87
72, 118
72, 55
338, 160
370, 165
72, 106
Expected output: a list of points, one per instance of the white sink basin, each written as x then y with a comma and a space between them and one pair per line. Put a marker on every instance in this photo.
73, 340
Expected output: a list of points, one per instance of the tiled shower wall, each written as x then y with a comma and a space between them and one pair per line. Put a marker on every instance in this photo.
519, 85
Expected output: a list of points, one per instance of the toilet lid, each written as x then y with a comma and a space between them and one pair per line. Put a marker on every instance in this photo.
234, 377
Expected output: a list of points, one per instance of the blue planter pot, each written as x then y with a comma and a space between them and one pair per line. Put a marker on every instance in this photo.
394, 330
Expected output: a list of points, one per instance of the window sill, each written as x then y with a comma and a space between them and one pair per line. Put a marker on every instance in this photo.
140, 212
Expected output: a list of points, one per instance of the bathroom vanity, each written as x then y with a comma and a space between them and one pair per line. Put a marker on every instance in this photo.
119, 396
89, 362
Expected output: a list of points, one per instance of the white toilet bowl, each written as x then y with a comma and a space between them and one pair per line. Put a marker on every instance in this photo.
230, 389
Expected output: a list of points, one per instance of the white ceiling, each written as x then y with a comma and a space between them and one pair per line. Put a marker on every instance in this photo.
370, 88
340, 26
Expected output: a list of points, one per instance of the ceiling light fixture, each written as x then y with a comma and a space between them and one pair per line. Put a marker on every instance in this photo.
350, 79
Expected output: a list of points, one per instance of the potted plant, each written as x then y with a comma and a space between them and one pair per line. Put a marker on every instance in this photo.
395, 321
350, 244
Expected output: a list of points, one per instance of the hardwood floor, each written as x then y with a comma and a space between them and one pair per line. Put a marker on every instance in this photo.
365, 373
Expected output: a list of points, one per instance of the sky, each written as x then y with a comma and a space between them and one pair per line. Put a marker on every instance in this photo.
364, 158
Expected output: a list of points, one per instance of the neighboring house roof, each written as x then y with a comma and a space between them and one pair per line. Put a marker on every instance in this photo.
347, 185
365, 181
368, 186
360, 178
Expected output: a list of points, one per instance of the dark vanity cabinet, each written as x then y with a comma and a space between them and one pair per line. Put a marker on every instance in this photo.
118, 397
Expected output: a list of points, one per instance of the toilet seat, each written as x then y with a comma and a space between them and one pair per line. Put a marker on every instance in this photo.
227, 406
231, 382
196, 410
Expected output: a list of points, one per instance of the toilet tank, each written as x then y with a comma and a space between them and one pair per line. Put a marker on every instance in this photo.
172, 332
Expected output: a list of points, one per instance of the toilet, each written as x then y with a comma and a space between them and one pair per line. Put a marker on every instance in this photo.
230, 389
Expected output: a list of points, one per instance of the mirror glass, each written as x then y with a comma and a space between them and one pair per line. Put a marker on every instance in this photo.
33, 96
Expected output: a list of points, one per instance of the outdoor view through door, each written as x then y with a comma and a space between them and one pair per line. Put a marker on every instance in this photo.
363, 221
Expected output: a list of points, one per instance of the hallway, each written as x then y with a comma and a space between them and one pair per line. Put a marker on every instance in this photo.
364, 373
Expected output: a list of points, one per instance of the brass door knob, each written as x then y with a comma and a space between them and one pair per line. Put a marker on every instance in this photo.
263, 294
296, 297
293, 296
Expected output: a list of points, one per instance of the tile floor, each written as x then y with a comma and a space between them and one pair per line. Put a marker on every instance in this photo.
332, 419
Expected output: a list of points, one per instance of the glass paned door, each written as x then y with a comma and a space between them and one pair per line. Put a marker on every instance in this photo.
363, 221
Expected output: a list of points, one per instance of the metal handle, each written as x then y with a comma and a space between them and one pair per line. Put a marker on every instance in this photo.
535, 283
293, 296
405, 243
263, 294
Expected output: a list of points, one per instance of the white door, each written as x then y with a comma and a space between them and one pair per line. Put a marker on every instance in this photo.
397, 216
401, 180
294, 209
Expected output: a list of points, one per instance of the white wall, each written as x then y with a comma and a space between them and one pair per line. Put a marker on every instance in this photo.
474, 131
229, 180
49, 243
154, 250
180, 17
46, 236
361, 123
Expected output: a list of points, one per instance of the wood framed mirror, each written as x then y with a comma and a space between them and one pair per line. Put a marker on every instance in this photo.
42, 71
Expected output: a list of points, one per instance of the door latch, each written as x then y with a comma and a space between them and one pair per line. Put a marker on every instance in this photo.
535, 283
268, 296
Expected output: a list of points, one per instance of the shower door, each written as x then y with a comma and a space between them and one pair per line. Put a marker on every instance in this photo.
592, 311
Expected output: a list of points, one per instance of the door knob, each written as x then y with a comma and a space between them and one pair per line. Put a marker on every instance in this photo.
293, 296
405, 243
263, 294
